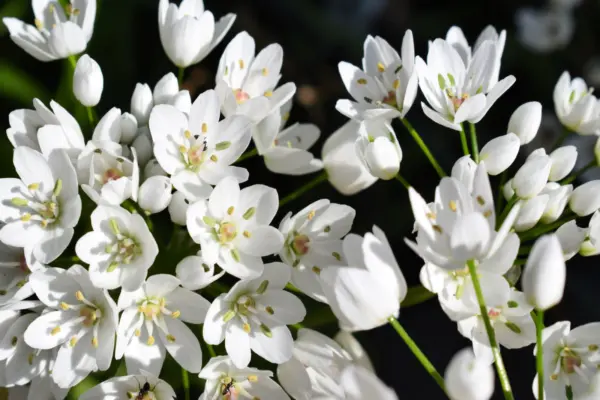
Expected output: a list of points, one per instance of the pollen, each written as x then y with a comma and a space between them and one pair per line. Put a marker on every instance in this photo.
247, 234
311, 215
265, 72
55, 331
430, 215
39, 24
487, 213
213, 158
79, 295
269, 310
230, 210
241, 63
480, 200
437, 228
316, 270
452, 205
171, 338
336, 255
33, 186
204, 127
25, 217
30, 358
553, 377
246, 328
137, 333
175, 314
73, 341
268, 93
150, 341
95, 342
396, 83
361, 81
64, 306
380, 67
187, 134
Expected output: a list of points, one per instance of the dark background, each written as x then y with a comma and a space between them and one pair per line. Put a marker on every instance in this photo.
316, 35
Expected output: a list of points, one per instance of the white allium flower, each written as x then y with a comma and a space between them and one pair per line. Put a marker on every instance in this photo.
154, 194
531, 212
575, 105
88, 81
285, 151
129, 387
166, 91
313, 241
141, 103
81, 322
533, 176
570, 360
189, 33
153, 321
359, 383
544, 30
42, 208
178, 208
458, 88
25, 364
386, 86
120, 249
369, 290
16, 265
129, 127
253, 317
545, 273
584, 200
468, 378
499, 153
153, 168
510, 315
58, 33
345, 171
225, 380
247, 84
354, 348
573, 240
195, 273
232, 227
558, 197
198, 151
525, 121
378, 149
563, 161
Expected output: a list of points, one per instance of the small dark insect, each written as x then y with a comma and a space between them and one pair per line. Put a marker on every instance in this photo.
227, 389
143, 391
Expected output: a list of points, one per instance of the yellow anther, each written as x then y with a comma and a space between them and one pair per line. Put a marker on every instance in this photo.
553, 377
268, 93
311, 215
25, 217
188, 134
150, 341
171, 338
30, 358
241, 63
430, 215
380, 67
252, 378
396, 84
316, 270
487, 213
73, 341
33, 186
361, 81
437, 228
44, 223
182, 149
64, 306
247, 234
230, 210
452, 205
95, 342
176, 314
269, 310
38, 24
55, 331
246, 328
265, 72
79, 295
213, 158
204, 127
137, 333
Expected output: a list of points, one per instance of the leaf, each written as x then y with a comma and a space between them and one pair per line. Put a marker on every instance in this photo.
16, 9
20, 86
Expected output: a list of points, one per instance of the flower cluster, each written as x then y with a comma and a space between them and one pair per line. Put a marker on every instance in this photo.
88, 278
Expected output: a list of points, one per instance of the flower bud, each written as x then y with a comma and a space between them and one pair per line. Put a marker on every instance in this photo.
585, 199
464, 170
155, 194
88, 81
531, 212
525, 121
182, 101
468, 378
141, 103
129, 127
507, 190
572, 239
563, 160
195, 273
153, 168
545, 273
143, 145
499, 153
178, 208
531, 178
558, 197
165, 89
378, 149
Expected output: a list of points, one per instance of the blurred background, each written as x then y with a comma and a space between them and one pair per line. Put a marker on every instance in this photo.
316, 35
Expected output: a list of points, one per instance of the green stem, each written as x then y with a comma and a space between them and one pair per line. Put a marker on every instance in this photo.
292, 288
560, 139
540, 230
186, 383
474, 145
500, 369
322, 177
418, 353
524, 250
500, 195
73, 61
416, 295
463, 141
91, 113
513, 200
575, 174
424, 148
211, 350
180, 76
248, 154
539, 357
403, 181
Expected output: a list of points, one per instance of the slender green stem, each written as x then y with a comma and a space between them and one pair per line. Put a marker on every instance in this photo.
538, 318
185, 379
73, 61
91, 113
540, 230
403, 181
180, 76
500, 369
248, 154
292, 288
416, 295
506, 210
424, 148
297, 326
418, 353
322, 177
560, 139
463, 141
474, 145
211, 350
575, 174
500, 195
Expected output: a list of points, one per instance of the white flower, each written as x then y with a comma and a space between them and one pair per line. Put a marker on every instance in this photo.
510, 316
345, 171
153, 321
573, 240
285, 151
154, 194
585, 198
544, 30
563, 161
464, 170
525, 121
570, 359
532, 177
178, 208
225, 380
378, 148
468, 378
57, 33
369, 290
141, 103
386, 86
459, 90
88, 81
153, 168
189, 32
499, 153
129, 126
313, 241
247, 84
575, 105
558, 197
354, 348
166, 91
359, 383
531, 212
16, 265
120, 249
42, 208
253, 316
195, 273
25, 364
545, 273
81, 322
232, 227
198, 152
129, 387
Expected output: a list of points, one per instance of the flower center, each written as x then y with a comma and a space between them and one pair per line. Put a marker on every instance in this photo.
111, 174
390, 99
196, 155
39, 206
154, 311
227, 232
23, 264
240, 96
493, 313
570, 361
301, 244
90, 316
150, 310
